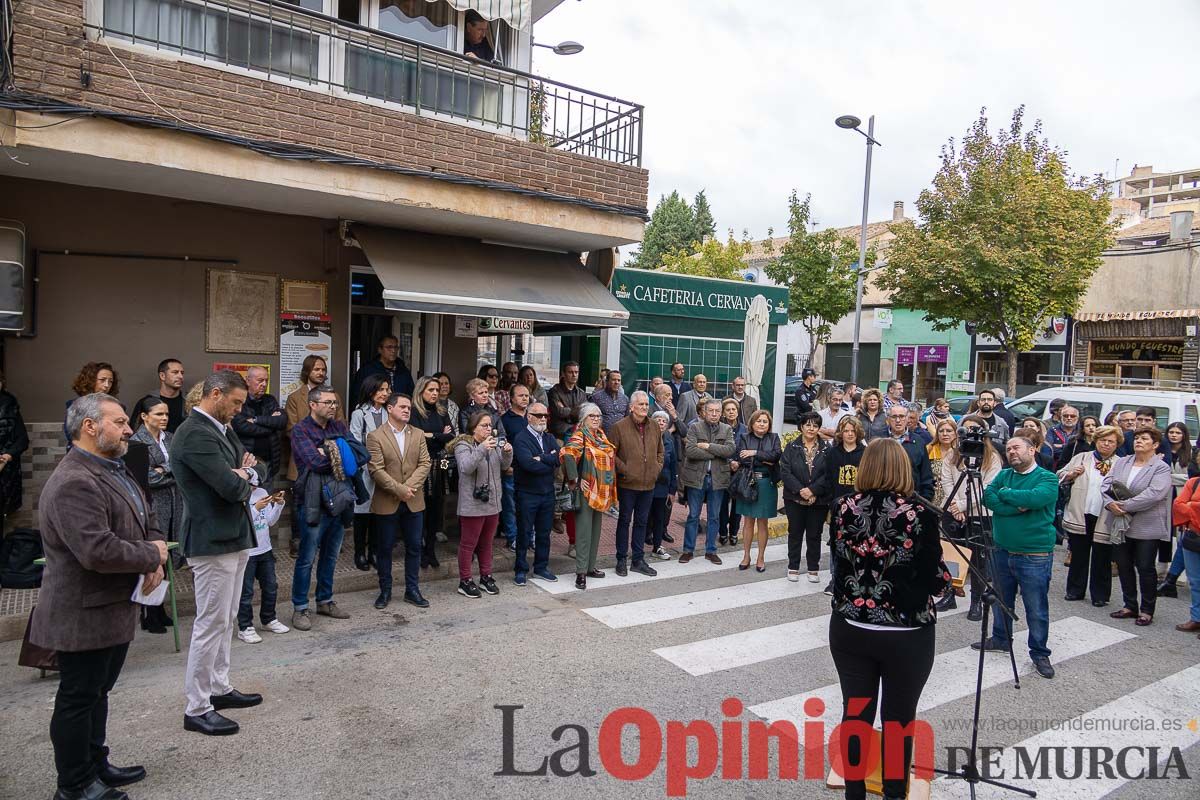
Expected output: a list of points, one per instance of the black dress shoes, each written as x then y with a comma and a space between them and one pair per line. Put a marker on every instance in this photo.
119, 776
417, 599
235, 699
96, 790
975, 612
382, 601
210, 724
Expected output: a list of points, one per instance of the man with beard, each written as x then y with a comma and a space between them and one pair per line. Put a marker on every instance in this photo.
535, 458
99, 534
997, 427
216, 476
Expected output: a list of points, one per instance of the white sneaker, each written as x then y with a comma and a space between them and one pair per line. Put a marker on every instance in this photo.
441, 537
660, 554
570, 551
812, 577
275, 626
794, 575
249, 636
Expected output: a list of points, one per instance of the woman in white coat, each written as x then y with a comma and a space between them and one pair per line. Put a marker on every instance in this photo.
368, 416
1088, 542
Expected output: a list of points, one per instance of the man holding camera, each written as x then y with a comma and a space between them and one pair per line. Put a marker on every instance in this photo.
1022, 500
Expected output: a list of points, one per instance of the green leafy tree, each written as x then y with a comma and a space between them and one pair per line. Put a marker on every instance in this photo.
672, 228
1009, 238
704, 227
818, 271
713, 260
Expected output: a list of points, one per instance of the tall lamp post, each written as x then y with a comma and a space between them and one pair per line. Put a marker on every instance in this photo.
852, 123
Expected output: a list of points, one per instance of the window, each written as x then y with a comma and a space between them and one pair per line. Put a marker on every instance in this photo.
1028, 408
217, 33
416, 19
1192, 419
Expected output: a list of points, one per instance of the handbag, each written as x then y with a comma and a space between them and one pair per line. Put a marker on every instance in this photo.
1190, 541
564, 499
743, 485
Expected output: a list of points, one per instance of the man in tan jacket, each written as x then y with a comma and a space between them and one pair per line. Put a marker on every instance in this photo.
639, 454
399, 463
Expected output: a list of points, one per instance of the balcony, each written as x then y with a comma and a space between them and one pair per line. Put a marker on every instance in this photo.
290, 46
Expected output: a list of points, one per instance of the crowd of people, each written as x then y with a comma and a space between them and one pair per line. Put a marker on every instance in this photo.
201, 478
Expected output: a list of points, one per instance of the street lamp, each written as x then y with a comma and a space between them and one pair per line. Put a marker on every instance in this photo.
851, 123
567, 48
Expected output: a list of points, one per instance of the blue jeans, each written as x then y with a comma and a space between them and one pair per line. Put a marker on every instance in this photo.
1032, 575
1191, 562
704, 496
405, 524
327, 537
508, 510
1178, 562
261, 568
634, 506
535, 515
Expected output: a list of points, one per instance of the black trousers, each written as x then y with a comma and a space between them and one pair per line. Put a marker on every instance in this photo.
401, 525
729, 521
659, 516
804, 527
79, 724
365, 536
1090, 568
900, 661
1135, 568
434, 501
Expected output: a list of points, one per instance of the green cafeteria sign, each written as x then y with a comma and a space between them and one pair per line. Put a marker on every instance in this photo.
666, 294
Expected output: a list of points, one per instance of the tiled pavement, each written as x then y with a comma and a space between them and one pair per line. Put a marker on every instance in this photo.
15, 604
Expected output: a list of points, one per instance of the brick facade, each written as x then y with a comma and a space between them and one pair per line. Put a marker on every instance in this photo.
50, 49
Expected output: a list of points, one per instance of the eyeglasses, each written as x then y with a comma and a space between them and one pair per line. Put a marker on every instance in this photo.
329, 403
538, 416
491, 375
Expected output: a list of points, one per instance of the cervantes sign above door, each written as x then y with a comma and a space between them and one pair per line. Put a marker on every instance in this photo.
664, 294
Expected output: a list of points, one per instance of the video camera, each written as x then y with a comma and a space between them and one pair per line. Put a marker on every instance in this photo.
970, 445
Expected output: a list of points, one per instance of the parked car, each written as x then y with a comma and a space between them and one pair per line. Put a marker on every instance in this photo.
1169, 405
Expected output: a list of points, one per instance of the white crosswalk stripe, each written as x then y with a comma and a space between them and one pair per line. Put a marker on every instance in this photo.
1162, 700
1069, 638
662, 609
758, 645
666, 570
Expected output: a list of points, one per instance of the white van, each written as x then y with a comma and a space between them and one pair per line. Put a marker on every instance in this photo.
1170, 404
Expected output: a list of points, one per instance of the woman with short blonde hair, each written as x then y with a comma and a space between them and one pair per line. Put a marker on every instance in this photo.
887, 567
1090, 570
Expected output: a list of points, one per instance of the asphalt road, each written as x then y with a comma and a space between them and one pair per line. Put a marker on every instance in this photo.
402, 703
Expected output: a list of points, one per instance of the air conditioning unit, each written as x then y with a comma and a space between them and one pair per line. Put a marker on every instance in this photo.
12, 276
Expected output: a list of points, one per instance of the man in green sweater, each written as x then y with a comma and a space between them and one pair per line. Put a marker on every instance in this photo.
1022, 500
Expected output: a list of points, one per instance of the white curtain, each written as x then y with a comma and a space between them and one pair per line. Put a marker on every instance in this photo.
517, 13
754, 349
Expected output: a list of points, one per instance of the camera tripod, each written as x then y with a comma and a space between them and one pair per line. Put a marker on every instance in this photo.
974, 513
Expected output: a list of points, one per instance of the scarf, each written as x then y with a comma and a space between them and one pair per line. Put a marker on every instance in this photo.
1103, 466
595, 458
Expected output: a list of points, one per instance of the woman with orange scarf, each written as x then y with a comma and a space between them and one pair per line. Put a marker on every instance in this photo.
590, 462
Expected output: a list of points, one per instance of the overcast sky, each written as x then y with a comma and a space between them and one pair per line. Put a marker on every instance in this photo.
740, 97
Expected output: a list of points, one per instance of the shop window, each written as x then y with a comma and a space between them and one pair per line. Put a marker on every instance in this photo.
215, 33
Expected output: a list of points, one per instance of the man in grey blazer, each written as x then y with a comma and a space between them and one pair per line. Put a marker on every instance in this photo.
99, 534
216, 476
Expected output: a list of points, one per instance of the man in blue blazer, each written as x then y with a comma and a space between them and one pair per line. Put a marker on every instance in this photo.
215, 475
535, 459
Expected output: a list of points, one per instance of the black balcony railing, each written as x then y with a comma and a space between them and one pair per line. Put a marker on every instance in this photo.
282, 42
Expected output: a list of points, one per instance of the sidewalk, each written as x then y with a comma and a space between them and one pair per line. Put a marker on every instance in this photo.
15, 604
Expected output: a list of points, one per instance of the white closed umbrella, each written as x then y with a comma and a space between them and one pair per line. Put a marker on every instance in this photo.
754, 348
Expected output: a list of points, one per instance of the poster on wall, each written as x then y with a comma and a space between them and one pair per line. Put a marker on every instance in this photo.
242, 369
300, 336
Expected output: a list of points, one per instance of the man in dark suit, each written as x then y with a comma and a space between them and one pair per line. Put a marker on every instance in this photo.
399, 464
918, 456
535, 459
99, 534
216, 475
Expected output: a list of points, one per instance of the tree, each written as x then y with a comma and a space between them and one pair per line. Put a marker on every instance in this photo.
713, 260
703, 226
818, 271
672, 227
1009, 238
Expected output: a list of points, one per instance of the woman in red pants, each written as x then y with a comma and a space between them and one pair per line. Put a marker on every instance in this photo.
481, 464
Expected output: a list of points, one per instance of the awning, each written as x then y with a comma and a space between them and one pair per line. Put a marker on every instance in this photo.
515, 12
1124, 316
448, 275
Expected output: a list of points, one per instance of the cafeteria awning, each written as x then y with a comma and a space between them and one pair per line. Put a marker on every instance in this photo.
448, 275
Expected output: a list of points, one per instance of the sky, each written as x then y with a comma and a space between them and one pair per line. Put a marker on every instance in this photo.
740, 97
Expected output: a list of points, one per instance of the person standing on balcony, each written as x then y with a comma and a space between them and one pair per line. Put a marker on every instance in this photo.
389, 366
475, 43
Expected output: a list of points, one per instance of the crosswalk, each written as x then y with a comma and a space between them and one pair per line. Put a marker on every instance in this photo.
800, 647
